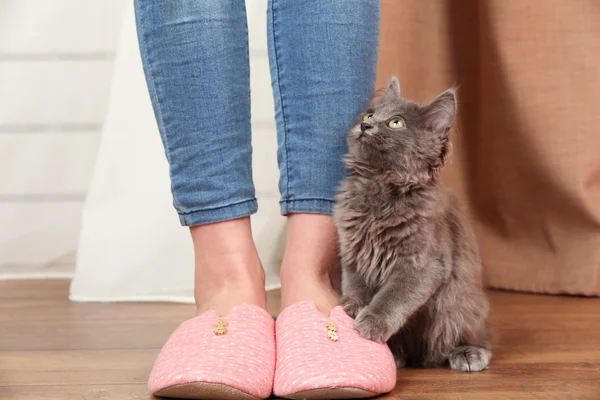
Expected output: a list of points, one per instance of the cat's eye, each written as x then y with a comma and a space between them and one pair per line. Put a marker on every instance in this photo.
367, 116
396, 123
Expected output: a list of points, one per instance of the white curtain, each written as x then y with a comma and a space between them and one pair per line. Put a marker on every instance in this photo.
132, 247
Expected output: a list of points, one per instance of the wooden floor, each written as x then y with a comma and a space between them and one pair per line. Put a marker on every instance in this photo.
547, 348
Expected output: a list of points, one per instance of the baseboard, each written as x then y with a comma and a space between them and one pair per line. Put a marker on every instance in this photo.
11, 271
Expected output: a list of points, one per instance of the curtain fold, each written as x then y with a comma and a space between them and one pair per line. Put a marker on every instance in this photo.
526, 161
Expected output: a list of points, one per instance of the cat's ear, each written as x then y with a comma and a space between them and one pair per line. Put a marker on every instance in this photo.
440, 113
392, 92
394, 86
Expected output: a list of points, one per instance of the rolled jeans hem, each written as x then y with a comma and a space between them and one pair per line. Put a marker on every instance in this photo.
310, 206
224, 213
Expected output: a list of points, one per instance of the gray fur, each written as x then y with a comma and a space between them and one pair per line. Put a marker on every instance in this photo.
410, 263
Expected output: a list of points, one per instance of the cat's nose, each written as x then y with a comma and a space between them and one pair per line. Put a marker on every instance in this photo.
364, 126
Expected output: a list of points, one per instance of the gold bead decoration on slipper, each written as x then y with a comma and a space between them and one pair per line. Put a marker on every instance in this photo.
333, 336
332, 332
220, 327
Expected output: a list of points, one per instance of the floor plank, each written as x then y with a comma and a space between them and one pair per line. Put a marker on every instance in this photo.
546, 348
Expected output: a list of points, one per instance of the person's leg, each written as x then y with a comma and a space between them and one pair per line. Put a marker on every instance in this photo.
195, 57
323, 57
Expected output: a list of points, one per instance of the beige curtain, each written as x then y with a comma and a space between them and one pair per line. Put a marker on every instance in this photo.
526, 160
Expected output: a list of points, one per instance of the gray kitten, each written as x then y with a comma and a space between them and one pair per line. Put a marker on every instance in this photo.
410, 263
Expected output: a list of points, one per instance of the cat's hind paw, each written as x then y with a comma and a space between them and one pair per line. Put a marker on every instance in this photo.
469, 358
400, 362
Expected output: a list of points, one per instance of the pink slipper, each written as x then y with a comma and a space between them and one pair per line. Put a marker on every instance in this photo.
213, 357
325, 358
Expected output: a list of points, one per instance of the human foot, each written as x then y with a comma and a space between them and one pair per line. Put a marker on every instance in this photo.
228, 271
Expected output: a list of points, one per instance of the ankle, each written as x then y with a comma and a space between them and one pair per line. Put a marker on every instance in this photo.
308, 286
301, 276
229, 281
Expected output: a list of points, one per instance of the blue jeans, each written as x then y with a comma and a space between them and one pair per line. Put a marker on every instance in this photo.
323, 56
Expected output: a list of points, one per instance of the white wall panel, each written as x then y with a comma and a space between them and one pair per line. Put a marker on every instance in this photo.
50, 163
55, 27
54, 93
37, 233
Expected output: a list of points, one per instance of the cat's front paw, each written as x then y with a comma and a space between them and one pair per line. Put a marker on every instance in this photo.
352, 305
372, 327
